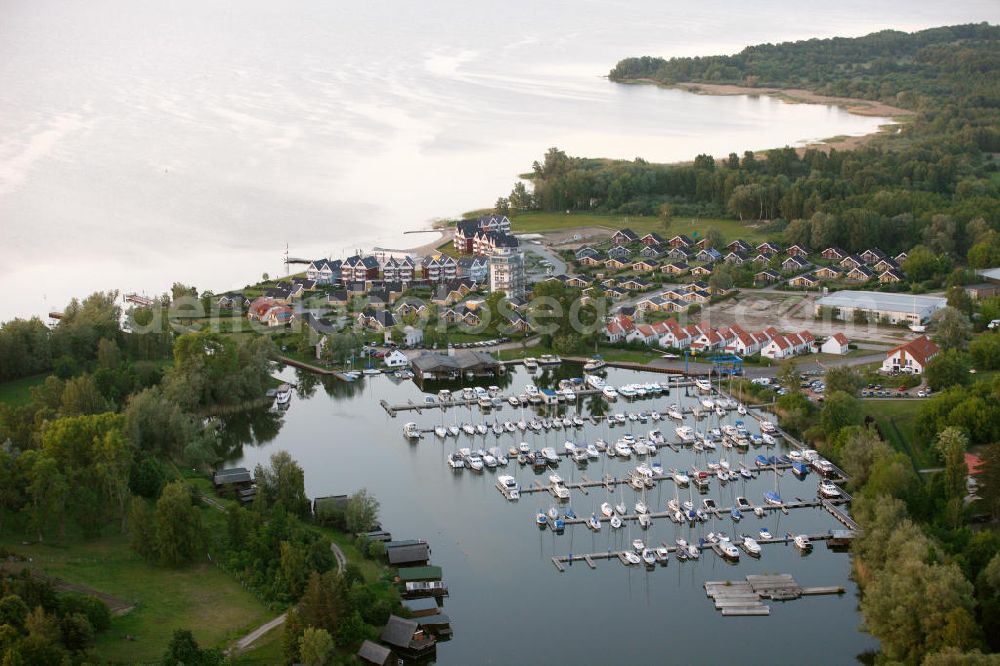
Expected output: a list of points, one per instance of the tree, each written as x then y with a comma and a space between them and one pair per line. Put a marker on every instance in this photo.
362, 512
843, 378
293, 571
858, 449
666, 213
951, 445
713, 238
81, 396
985, 351
839, 410
13, 611
959, 299
282, 481
157, 425
142, 529
77, 632
290, 635
315, 646
788, 375
989, 479
321, 605
183, 650
951, 328
948, 368
178, 525
48, 493
920, 263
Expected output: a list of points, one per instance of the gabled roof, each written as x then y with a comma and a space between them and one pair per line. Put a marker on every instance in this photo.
627, 233
921, 350
840, 338
655, 237
399, 631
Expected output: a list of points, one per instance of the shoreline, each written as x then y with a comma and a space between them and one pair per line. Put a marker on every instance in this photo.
853, 105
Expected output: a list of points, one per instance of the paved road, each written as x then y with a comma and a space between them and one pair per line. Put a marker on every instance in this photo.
558, 265
804, 364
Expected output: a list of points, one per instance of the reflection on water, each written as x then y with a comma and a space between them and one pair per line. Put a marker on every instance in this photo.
507, 602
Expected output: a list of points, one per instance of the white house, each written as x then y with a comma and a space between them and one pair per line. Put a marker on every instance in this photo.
912, 357
835, 344
779, 347
396, 359
675, 336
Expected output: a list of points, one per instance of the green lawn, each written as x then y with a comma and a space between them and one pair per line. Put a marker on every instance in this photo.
896, 418
540, 222
16, 392
201, 597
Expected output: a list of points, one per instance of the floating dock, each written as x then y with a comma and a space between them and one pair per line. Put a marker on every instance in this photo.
738, 598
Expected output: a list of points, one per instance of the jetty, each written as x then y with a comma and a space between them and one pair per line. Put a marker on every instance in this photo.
742, 598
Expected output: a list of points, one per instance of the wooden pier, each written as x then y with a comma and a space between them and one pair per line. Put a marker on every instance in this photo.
739, 598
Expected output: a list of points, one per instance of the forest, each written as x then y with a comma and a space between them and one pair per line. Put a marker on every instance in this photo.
932, 182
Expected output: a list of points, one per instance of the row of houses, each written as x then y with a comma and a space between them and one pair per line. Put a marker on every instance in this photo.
483, 236
701, 338
676, 299
269, 311
434, 268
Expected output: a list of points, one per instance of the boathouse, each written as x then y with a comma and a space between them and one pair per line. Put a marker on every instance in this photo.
454, 364
407, 637
373, 653
408, 555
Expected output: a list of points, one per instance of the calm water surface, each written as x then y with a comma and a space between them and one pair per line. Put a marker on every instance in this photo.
507, 602
144, 142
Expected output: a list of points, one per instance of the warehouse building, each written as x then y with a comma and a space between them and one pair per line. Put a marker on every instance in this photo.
879, 306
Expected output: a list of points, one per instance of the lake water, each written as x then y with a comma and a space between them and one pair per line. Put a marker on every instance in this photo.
145, 142
508, 604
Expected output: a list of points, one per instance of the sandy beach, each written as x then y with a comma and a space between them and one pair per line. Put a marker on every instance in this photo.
440, 236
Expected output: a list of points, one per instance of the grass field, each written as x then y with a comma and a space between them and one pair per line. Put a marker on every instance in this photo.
896, 418
16, 392
541, 222
201, 598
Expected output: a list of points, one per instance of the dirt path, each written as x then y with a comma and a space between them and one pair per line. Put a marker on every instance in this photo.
246, 641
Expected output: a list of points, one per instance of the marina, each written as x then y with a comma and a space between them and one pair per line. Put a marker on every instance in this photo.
493, 546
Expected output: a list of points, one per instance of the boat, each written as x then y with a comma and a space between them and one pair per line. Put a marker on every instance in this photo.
549, 359
508, 487
593, 523
680, 478
524, 447
619, 418
656, 437
703, 385
657, 468
645, 520
743, 504
497, 429
621, 509
741, 409
594, 364
768, 427
514, 402
685, 433
693, 551
531, 363
662, 554
709, 504
481, 428
550, 454
592, 451
616, 522
453, 430
468, 429
802, 542
456, 462
570, 514
761, 461
764, 533
561, 492
720, 412
475, 462
522, 425
758, 511
577, 422
607, 510
444, 395
750, 546
800, 469
673, 505
541, 519
622, 449
631, 558
440, 431
554, 478
772, 497
728, 550
735, 514
552, 513
490, 461
411, 431
708, 403
828, 488
649, 557
640, 507
609, 392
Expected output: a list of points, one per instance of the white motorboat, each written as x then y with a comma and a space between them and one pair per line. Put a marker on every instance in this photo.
283, 395
619, 418
468, 429
554, 478
703, 385
607, 510
594, 364
622, 449
411, 431
828, 488
490, 461
631, 558
728, 550
802, 542
656, 437
621, 509
641, 447
673, 505
649, 557
594, 523
609, 392
719, 411
535, 425
768, 427
616, 522
508, 487
685, 434
751, 546
453, 430
708, 403
592, 451
768, 439
549, 359
440, 431
693, 551
662, 554
577, 422
455, 461
674, 412
655, 415
741, 409
550, 455
514, 402
560, 492
645, 520
524, 447
481, 428
764, 533
680, 478
531, 363
509, 426
522, 425
640, 507
475, 462
626, 391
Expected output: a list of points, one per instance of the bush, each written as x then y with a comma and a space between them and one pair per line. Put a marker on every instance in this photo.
96, 611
